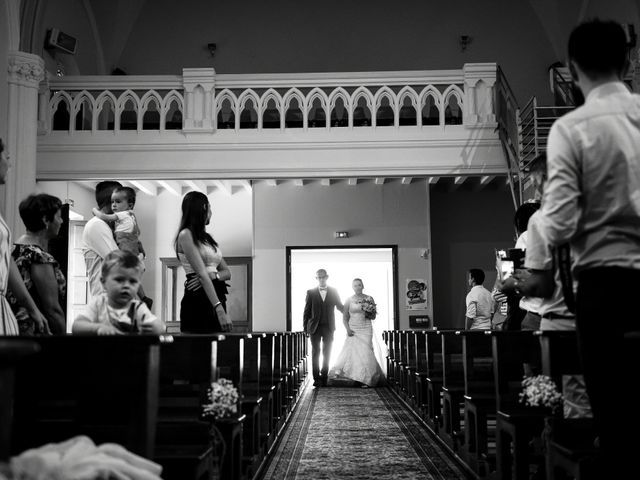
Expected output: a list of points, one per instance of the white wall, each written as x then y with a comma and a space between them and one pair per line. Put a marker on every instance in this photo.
286, 215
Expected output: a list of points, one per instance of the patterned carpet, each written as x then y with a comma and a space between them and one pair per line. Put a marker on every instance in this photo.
357, 433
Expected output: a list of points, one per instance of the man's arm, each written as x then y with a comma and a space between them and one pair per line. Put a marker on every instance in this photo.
307, 311
470, 315
339, 304
560, 208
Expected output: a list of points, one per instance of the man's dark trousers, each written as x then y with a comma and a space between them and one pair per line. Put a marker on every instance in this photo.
325, 334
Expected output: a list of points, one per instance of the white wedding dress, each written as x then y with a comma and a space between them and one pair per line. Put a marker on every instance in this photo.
357, 361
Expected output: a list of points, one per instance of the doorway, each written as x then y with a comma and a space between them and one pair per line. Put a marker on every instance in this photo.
376, 266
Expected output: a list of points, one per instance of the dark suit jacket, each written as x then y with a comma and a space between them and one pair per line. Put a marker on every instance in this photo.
313, 309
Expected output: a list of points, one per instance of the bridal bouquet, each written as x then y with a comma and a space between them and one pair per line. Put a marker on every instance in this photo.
223, 398
541, 391
369, 308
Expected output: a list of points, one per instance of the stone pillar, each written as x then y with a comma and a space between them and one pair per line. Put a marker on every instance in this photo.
26, 71
479, 80
199, 90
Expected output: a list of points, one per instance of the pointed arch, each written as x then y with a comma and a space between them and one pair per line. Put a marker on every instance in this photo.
60, 111
382, 93
292, 118
320, 96
267, 97
170, 98
79, 101
433, 117
340, 94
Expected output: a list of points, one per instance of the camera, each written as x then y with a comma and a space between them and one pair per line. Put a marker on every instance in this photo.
508, 261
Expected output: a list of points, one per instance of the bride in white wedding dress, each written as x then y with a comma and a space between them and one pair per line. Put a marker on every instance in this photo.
357, 361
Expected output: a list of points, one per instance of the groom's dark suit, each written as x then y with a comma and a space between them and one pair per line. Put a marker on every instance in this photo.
319, 323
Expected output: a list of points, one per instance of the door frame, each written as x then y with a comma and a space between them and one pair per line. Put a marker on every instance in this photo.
394, 269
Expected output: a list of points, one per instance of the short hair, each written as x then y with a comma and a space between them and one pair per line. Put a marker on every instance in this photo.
599, 48
129, 192
34, 207
523, 214
358, 280
104, 191
120, 258
539, 163
1, 146
320, 272
477, 275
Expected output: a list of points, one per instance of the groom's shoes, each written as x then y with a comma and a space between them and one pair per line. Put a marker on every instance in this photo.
323, 382
317, 383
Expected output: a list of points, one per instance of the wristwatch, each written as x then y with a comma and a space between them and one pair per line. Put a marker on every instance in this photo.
217, 276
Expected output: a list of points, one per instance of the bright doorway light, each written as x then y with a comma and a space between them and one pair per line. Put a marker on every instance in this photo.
375, 266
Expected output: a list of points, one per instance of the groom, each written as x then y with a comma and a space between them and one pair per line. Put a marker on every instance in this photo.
320, 323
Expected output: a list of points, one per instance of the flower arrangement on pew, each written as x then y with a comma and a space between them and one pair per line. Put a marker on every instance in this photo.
223, 400
541, 391
369, 308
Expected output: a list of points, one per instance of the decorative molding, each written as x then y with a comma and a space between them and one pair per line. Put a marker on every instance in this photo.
25, 69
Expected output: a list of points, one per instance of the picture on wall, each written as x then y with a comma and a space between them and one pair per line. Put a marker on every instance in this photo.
416, 297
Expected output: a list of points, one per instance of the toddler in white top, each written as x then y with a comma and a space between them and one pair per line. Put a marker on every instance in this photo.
118, 309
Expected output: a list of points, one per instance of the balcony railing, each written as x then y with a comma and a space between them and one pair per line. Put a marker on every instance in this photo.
201, 101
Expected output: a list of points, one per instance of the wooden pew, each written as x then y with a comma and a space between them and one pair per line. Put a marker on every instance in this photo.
452, 387
516, 425
252, 401
569, 443
433, 380
411, 367
11, 354
188, 365
268, 427
103, 387
479, 399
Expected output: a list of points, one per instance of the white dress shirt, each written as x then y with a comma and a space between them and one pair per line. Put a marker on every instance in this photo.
593, 187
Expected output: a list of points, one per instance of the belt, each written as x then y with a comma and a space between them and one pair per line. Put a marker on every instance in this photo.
557, 316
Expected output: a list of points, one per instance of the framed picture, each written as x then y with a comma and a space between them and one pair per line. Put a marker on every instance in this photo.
419, 322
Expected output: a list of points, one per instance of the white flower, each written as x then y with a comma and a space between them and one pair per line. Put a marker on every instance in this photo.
223, 397
541, 391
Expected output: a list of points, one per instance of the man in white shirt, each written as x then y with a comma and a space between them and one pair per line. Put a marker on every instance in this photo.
480, 303
592, 200
97, 237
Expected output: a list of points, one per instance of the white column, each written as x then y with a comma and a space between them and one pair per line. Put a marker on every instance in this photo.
26, 71
199, 85
479, 79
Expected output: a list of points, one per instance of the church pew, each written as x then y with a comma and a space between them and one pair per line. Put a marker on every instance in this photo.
11, 354
433, 380
569, 442
267, 390
479, 399
252, 401
103, 387
452, 387
411, 367
516, 424
280, 380
188, 365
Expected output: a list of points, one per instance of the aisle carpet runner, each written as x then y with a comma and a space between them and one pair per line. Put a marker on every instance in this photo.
356, 433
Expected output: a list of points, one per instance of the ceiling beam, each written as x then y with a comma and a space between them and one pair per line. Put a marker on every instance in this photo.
298, 182
486, 179
352, 181
272, 182
222, 185
145, 186
325, 182
433, 180
172, 187
198, 185
380, 180
407, 180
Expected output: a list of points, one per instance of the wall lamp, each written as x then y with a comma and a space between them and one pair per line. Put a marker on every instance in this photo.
342, 234
212, 48
465, 41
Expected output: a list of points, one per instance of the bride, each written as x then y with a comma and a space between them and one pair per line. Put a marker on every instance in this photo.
357, 361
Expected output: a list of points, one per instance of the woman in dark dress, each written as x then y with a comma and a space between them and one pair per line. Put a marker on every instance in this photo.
203, 306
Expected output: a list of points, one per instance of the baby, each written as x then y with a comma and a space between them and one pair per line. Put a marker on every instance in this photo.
126, 231
118, 310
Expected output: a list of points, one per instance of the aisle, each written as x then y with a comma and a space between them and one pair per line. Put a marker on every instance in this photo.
357, 433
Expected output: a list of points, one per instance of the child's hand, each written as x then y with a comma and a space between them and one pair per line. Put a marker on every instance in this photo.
95, 211
108, 330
